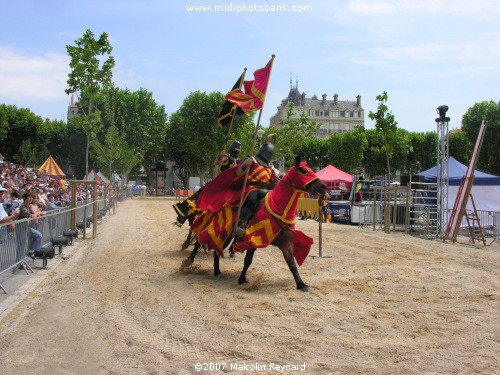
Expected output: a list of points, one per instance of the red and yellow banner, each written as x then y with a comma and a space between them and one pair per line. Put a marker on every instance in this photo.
254, 95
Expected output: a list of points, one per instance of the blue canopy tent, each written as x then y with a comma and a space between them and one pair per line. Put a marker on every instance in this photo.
485, 190
456, 171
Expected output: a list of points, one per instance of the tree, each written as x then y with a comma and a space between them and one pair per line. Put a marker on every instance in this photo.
460, 147
193, 139
115, 153
387, 125
315, 152
133, 130
374, 158
346, 150
291, 134
423, 151
89, 74
24, 136
488, 160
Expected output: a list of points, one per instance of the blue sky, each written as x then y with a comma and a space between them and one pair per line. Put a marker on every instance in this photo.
424, 53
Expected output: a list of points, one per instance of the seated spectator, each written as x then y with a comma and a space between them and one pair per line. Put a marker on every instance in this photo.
5, 217
24, 231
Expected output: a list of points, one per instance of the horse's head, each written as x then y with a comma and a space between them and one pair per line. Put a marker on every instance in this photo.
302, 177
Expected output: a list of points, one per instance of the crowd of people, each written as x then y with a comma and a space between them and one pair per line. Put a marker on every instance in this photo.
29, 193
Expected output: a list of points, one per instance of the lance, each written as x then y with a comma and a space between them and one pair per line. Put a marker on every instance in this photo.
242, 198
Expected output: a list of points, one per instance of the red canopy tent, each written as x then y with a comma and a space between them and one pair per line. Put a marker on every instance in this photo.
334, 177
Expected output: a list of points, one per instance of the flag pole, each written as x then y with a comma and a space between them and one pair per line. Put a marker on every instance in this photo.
247, 171
235, 110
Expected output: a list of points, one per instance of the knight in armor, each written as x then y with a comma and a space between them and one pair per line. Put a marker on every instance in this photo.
223, 162
261, 178
229, 159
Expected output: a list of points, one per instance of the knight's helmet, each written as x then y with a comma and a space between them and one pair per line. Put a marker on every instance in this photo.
265, 154
234, 149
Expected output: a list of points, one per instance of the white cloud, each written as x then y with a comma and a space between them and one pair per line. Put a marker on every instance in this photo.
29, 77
473, 54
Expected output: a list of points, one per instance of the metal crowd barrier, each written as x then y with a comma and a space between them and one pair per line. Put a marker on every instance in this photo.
17, 236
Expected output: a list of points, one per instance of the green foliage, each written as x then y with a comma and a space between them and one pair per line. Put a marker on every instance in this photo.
75, 144
292, 134
194, 140
90, 72
374, 158
471, 122
133, 130
422, 151
115, 151
387, 125
315, 152
460, 147
30, 154
24, 137
346, 150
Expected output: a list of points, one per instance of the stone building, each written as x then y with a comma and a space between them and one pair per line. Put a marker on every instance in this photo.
334, 116
72, 109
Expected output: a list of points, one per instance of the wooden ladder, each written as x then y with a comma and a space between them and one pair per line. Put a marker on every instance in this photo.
473, 218
459, 208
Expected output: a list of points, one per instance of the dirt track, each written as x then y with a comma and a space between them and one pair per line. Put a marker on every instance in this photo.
381, 304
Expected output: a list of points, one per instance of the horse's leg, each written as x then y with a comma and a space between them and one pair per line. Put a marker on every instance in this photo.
287, 251
217, 271
231, 251
187, 242
248, 261
187, 262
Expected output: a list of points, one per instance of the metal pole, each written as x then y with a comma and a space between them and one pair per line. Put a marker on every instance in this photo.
320, 216
94, 216
442, 173
73, 205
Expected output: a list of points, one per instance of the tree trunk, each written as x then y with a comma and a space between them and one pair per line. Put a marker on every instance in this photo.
87, 156
125, 176
387, 158
388, 169
88, 139
202, 178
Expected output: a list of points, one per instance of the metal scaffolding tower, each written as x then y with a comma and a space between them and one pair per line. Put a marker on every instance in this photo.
443, 154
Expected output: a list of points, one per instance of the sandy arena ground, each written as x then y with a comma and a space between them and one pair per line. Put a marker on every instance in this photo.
382, 304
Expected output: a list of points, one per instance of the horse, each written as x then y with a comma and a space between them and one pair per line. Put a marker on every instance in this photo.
187, 211
191, 237
271, 224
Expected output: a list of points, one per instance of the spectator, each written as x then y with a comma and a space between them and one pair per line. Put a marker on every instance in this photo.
51, 207
5, 217
42, 197
36, 211
360, 176
23, 231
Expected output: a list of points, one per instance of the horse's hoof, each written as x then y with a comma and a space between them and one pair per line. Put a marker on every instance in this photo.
241, 282
187, 262
305, 288
231, 255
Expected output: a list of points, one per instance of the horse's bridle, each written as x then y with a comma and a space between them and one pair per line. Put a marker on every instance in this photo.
293, 186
